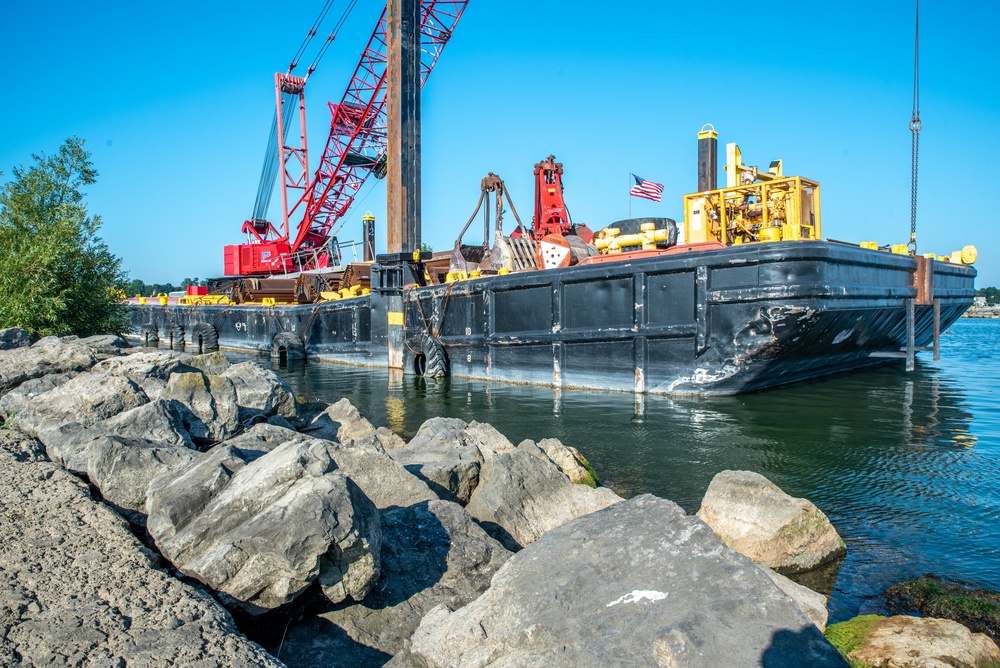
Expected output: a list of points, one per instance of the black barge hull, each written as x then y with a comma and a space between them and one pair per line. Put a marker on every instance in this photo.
721, 321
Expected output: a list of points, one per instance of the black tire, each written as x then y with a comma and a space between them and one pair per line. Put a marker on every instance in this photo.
150, 335
288, 346
176, 334
436, 359
205, 337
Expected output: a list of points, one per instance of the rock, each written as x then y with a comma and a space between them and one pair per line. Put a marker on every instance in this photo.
14, 337
60, 417
520, 497
79, 589
179, 495
636, 584
20, 364
261, 392
975, 608
20, 447
211, 364
122, 468
278, 421
105, 345
810, 602
382, 479
352, 425
208, 405
149, 369
326, 424
909, 642
281, 522
570, 461
754, 517
14, 401
441, 456
158, 421
432, 553
487, 439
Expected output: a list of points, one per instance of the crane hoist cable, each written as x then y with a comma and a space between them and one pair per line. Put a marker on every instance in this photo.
309, 36
272, 152
915, 127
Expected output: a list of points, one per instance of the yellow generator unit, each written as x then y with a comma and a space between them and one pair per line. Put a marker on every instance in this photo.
756, 206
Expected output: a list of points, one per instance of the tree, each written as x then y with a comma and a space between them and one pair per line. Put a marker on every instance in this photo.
992, 295
57, 276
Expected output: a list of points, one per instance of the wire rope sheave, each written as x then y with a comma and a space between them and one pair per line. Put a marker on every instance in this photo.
205, 337
435, 357
288, 345
150, 335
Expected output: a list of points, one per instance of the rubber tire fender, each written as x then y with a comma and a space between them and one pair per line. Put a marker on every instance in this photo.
436, 358
295, 349
207, 335
150, 335
176, 335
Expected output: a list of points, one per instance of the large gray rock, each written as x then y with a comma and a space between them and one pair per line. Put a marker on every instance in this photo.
440, 454
148, 369
14, 337
213, 364
924, 642
261, 392
754, 517
432, 554
636, 584
383, 480
14, 401
520, 497
60, 417
207, 405
158, 421
811, 603
344, 423
122, 468
281, 522
180, 495
105, 345
49, 355
77, 588
569, 460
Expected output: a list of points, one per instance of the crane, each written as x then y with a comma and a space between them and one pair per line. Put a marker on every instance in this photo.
355, 148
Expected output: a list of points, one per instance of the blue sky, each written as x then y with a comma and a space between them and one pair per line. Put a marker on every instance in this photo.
175, 101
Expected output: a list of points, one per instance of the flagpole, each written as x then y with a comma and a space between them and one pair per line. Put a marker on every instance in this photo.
630, 194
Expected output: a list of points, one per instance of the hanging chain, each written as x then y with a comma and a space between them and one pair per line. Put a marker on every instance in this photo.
915, 126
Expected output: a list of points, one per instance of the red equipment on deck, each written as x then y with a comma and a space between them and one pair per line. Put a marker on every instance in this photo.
355, 148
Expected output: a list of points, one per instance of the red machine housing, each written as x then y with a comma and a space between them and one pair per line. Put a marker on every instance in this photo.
551, 215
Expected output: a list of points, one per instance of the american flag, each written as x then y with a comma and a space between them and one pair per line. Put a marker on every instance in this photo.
646, 189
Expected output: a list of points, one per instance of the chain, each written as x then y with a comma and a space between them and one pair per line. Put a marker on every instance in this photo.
915, 127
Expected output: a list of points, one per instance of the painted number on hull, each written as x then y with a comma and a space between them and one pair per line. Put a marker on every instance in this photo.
240, 326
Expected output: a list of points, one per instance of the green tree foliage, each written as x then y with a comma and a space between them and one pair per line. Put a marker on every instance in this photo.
57, 276
992, 295
138, 287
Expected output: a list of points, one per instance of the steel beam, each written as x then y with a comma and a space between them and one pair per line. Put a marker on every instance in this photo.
403, 102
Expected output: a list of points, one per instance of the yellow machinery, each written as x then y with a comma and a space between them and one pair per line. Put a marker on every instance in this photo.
756, 205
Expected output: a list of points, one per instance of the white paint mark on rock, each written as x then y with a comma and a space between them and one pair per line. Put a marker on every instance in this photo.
638, 595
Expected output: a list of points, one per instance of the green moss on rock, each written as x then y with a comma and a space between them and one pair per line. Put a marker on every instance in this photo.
592, 479
850, 635
977, 609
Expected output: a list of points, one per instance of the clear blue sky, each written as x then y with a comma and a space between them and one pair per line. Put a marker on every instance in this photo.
175, 101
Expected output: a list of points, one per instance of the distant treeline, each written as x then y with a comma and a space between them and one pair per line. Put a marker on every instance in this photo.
992, 295
138, 287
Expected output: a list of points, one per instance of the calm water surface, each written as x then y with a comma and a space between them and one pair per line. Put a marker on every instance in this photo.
906, 465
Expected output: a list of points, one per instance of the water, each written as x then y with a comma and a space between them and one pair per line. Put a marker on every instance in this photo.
906, 465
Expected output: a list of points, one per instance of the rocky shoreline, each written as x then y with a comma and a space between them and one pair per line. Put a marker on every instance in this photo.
982, 312
155, 504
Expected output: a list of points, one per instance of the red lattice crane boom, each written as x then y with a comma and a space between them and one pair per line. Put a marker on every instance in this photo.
355, 148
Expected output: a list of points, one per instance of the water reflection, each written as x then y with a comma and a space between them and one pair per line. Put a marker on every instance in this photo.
905, 465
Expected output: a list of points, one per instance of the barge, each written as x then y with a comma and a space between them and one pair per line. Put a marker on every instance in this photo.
748, 297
